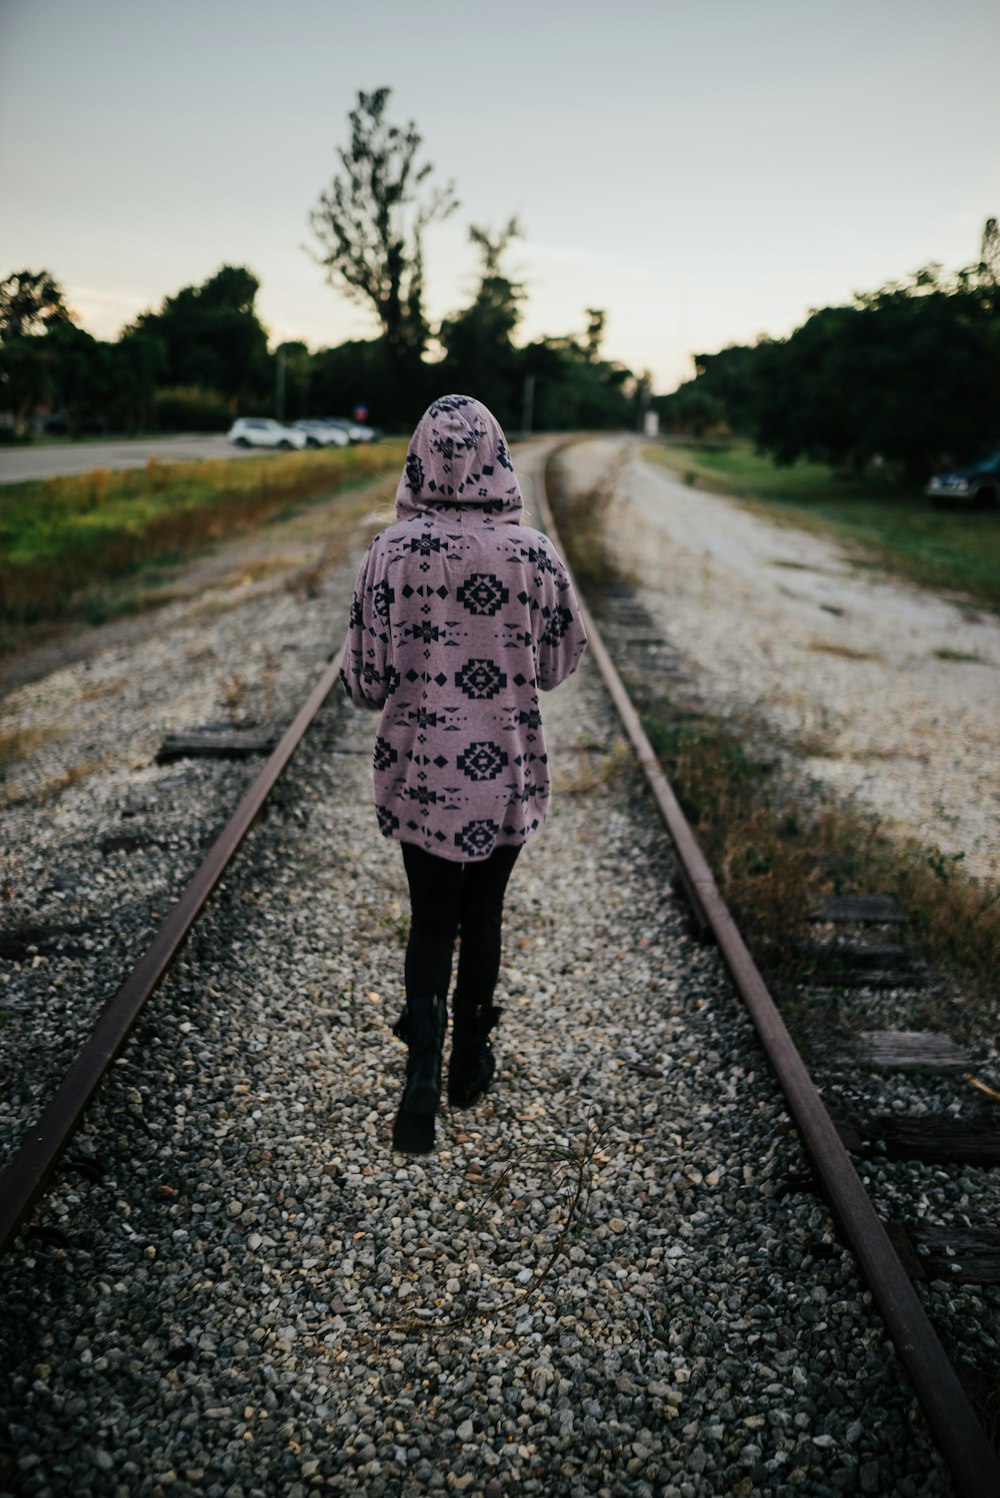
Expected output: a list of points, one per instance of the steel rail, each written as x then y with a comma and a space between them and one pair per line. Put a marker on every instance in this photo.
963, 1442
26, 1176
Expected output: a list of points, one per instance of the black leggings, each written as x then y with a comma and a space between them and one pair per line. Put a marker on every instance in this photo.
448, 899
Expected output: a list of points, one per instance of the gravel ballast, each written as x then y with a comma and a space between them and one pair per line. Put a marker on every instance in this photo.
609, 1279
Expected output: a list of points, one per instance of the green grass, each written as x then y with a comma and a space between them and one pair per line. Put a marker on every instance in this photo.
61, 536
955, 550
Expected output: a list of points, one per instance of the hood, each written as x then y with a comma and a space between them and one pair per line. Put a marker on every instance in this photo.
458, 462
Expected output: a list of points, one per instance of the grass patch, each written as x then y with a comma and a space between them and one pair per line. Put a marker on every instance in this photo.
902, 531
960, 655
17, 743
774, 858
52, 789
601, 770
846, 652
60, 536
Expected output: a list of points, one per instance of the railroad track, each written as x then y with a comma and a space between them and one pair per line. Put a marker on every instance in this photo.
965, 1447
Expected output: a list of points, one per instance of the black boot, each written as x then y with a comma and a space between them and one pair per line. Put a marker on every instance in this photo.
421, 1025
473, 1065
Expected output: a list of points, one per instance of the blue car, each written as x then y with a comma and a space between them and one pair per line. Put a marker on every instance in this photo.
977, 484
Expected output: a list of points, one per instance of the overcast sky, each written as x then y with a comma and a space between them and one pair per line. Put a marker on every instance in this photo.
706, 170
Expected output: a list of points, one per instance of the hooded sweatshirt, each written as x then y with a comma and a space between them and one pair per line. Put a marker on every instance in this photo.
460, 616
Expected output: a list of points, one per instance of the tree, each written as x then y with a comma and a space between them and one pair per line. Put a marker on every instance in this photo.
25, 378
351, 374
81, 378
910, 371
31, 302
479, 354
293, 372
573, 392
212, 337
370, 224
593, 338
989, 252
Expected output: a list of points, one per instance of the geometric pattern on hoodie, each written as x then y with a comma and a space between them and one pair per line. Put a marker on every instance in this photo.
461, 616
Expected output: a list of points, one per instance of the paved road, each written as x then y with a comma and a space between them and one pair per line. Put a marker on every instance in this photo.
20, 463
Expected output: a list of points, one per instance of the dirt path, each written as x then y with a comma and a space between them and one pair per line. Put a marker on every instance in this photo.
885, 691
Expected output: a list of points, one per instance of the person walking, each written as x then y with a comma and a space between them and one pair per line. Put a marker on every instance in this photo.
461, 615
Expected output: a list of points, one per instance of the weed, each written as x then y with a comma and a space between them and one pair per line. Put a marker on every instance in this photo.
105, 689
955, 918
17, 743
603, 770
233, 693
52, 789
846, 652
812, 744
961, 655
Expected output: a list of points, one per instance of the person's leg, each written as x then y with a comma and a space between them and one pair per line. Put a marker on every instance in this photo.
435, 912
435, 906
472, 1065
481, 920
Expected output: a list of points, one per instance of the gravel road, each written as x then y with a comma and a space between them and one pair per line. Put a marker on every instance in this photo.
20, 463
259, 1298
882, 690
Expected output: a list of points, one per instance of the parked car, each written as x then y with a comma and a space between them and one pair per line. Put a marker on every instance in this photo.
320, 433
356, 432
264, 431
977, 484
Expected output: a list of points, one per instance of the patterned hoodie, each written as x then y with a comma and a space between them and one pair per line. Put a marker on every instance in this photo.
460, 616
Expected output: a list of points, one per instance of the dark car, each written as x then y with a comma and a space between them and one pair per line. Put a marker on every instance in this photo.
977, 484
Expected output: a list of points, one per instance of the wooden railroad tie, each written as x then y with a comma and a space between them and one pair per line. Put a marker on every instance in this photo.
212, 743
963, 1256
902, 1050
867, 910
935, 1138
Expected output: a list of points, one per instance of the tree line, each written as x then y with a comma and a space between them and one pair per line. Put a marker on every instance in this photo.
907, 376
203, 356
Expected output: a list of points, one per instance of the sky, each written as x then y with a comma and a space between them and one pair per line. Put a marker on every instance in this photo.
704, 170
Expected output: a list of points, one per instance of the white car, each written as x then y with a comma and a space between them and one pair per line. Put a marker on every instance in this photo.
323, 433
355, 430
263, 431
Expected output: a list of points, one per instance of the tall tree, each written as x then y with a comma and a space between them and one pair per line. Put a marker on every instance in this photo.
212, 336
989, 251
596, 321
31, 302
370, 224
479, 354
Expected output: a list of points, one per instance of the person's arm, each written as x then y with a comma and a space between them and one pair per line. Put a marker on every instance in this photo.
366, 672
563, 638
